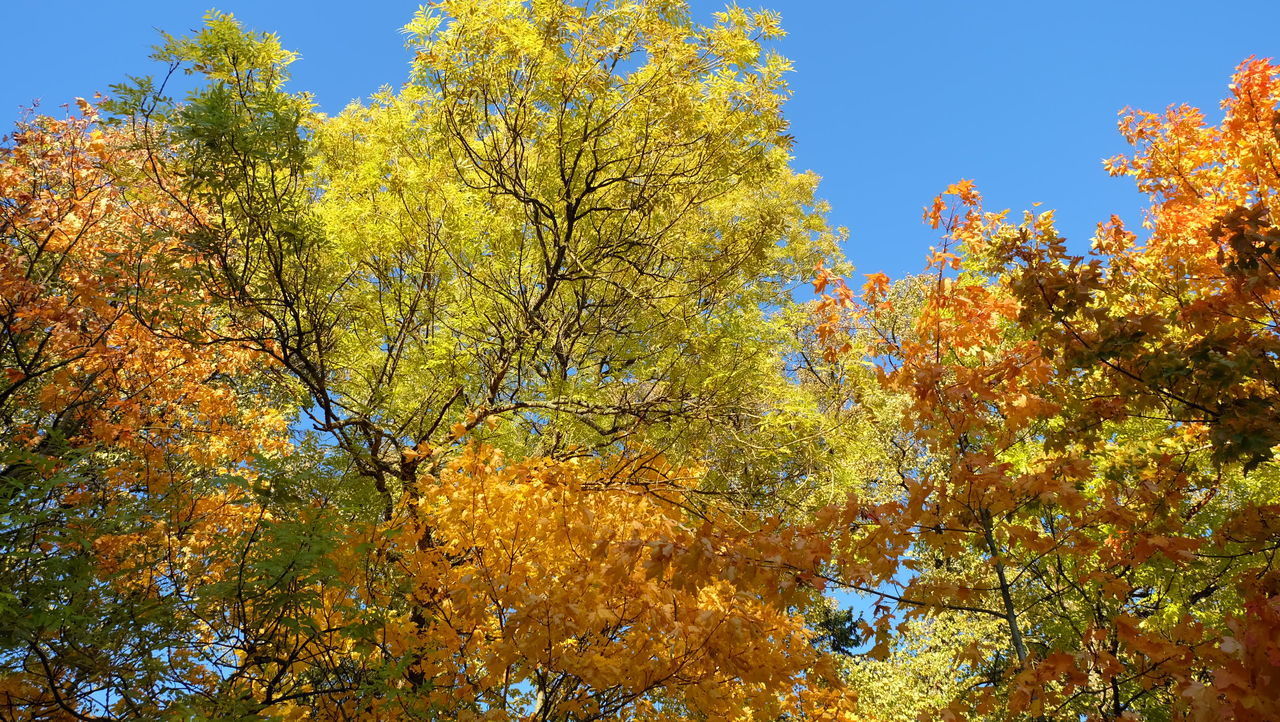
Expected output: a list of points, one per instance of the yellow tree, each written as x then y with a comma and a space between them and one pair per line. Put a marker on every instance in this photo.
564, 252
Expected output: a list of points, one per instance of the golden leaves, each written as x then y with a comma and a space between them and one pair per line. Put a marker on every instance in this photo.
593, 570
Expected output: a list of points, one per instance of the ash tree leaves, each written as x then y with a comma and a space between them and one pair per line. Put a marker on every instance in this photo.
493, 398
582, 213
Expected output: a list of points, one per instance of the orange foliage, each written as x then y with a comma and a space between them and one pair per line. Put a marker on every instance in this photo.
110, 397
1066, 407
595, 583
1083, 433
100, 311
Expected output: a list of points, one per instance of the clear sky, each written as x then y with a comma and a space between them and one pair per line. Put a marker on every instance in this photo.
893, 100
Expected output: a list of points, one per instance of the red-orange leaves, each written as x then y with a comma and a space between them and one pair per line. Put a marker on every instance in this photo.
966, 192
1246, 681
830, 313
1096, 435
98, 306
876, 287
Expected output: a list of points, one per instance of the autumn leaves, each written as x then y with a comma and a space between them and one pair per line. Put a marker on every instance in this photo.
490, 399
1097, 430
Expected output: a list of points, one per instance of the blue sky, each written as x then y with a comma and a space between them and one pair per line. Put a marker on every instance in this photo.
893, 100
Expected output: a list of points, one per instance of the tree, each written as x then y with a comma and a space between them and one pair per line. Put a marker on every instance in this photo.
1096, 445
496, 329
539, 228
110, 424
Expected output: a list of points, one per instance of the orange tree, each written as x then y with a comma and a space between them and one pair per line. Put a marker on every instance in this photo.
1094, 436
112, 427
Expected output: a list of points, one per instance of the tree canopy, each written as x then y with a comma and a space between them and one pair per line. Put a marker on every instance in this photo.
503, 396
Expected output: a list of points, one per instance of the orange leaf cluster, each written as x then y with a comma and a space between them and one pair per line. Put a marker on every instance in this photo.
597, 576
